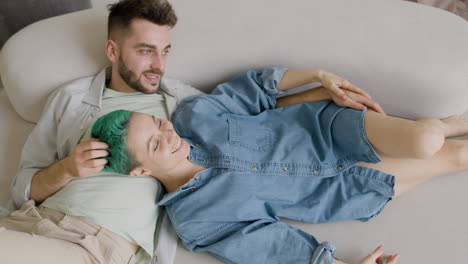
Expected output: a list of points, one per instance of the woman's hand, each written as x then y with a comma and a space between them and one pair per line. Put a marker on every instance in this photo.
345, 94
376, 257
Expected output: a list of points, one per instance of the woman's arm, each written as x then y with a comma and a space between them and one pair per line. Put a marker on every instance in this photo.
313, 95
376, 258
335, 88
294, 79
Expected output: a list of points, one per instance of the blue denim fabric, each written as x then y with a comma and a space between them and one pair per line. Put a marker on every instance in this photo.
296, 162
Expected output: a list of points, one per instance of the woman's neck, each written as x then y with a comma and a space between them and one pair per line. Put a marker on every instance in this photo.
181, 176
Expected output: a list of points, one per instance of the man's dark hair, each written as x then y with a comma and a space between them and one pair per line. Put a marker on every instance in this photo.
122, 13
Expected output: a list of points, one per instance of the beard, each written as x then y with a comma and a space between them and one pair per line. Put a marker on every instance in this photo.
132, 80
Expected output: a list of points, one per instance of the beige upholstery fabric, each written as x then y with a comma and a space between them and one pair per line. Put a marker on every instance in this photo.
411, 58
13, 133
386, 47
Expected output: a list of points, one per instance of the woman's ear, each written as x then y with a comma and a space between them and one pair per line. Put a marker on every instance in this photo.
139, 171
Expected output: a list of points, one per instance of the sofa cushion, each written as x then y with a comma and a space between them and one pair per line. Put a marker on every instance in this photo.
12, 137
412, 58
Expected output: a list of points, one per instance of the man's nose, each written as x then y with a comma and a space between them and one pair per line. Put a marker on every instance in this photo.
158, 62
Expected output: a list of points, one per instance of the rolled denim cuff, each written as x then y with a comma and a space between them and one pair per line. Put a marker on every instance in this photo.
324, 254
271, 77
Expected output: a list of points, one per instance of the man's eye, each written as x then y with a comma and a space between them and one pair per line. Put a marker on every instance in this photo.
145, 51
165, 52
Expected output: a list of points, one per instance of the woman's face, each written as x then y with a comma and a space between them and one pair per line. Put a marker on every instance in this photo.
155, 145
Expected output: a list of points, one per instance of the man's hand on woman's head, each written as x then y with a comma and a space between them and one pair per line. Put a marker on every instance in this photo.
87, 158
345, 94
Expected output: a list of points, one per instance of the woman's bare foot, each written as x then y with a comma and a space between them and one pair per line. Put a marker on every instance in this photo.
457, 126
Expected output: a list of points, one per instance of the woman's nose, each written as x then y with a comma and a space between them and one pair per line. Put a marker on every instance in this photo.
168, 126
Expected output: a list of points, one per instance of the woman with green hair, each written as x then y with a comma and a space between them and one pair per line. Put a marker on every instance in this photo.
233, 163
112, 129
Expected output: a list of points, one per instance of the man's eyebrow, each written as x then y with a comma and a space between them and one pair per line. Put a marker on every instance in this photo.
146, 45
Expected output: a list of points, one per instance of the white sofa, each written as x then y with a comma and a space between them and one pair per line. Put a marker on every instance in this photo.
412, 59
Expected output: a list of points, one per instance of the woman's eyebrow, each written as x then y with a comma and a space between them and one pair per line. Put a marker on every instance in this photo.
149, 140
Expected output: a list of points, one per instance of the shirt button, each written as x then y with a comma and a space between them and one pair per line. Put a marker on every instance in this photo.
81, 127
193, 189
340, 167
197, 177
197, 145
254, 168
285, 169
316, 171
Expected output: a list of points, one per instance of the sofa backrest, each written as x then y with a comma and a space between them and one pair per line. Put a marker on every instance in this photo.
411, 58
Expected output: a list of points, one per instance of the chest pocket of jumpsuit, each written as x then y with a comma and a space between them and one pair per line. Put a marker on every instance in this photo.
248, 133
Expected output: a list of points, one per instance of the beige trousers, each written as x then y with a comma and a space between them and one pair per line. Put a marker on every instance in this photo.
42, 235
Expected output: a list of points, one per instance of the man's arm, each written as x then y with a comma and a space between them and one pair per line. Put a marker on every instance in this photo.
83, 161
40, 173
48, 181
270, 243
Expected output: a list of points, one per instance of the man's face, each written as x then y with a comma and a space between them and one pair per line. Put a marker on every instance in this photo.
142, 58
155, 145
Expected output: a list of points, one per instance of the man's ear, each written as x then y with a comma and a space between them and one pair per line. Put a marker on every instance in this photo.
112, 50
139, 171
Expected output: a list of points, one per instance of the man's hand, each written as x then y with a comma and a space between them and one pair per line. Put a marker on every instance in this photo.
84, 160
345, 94
376, 257
87, 158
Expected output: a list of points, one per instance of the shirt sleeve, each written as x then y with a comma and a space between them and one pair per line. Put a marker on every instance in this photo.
252, 92
39, 151
271, 243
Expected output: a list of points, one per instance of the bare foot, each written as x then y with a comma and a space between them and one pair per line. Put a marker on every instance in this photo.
457, 126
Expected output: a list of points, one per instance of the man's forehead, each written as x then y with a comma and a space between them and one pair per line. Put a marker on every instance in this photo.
144, 34
143, 26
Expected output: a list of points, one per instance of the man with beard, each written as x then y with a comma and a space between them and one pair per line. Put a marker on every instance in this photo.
60, 169
89, 216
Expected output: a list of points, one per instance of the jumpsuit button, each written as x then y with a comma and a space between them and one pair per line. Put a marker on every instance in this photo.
197, 145
254, 168
285, 169
340, 167
81, 127
316, 171
197, 177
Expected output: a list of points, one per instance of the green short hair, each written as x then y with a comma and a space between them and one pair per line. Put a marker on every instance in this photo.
112, 129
